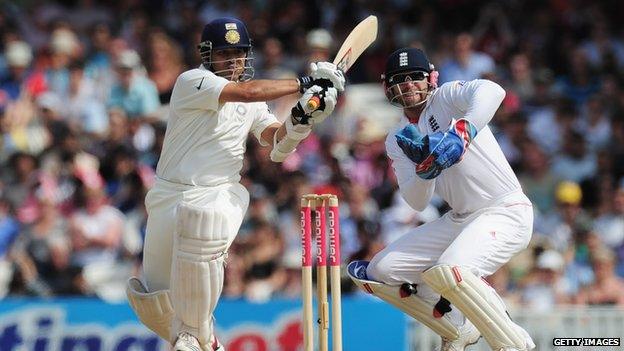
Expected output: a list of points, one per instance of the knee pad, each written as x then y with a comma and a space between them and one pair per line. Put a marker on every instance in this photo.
199, 253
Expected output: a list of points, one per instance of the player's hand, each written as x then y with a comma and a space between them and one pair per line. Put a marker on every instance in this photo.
417, 148
438, 151
327, 70
447, 148
307, 82
412, 142
302, 114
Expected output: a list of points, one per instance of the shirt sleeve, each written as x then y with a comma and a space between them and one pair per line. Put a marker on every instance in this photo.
416, 191
197, 89
479, 98
263, 119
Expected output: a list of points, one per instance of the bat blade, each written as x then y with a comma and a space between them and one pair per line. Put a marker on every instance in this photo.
360, 38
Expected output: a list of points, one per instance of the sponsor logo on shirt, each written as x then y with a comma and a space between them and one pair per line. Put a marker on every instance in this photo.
200, 83
433, 124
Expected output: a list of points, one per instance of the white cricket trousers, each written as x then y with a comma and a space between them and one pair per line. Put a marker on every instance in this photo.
481, 241
161, 203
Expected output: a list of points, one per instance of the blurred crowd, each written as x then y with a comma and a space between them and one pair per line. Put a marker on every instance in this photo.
84, 94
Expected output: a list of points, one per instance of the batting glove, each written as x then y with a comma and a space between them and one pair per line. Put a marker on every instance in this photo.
302, 114
327, 70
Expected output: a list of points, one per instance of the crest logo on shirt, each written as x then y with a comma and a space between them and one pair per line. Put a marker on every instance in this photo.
232, 36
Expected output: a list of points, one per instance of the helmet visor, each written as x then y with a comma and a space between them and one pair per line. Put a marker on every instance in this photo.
408, 89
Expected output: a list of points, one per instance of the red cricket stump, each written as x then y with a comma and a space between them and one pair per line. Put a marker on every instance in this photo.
318, 204
334, 264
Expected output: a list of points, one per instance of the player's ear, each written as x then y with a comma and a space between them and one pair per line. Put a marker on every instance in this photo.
433, 78
385, 88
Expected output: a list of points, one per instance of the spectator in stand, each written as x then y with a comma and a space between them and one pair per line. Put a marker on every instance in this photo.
83, 110
580, 83
21, 80
319, 44
558, 227
537, 179
95, 229
20, 183
164, 64
610, 226
603, 50
9, 231
466, 63
546, 287
575, 162
64, 46
47, 244
98, 63
595, 123
608, 288
134, 93
548, 125
522, 82
262, 258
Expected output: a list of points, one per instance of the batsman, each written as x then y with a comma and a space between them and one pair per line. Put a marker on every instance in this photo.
197, 204
443, 145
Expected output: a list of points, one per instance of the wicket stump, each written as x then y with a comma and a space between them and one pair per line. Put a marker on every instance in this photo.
319, 204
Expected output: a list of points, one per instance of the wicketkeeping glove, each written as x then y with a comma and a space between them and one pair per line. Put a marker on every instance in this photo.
438, 151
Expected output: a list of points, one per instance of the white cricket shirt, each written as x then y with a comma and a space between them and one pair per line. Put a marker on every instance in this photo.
483, 175
205, 141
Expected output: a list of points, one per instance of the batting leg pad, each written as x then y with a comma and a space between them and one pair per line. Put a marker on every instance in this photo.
154, 309
478, 302
409, 303
199, 252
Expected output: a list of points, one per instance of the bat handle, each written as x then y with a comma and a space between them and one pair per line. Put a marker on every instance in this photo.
313, 103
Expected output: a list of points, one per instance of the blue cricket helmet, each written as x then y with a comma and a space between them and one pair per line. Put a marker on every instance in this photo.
225, 33
405, 65
406, 59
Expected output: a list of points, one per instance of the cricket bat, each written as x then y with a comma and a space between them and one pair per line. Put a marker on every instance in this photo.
360, 38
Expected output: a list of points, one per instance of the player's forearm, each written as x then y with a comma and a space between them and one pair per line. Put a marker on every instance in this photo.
286, 138
485, 100
266, 90
417, 192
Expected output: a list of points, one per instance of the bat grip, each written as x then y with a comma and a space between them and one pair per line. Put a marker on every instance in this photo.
313, 103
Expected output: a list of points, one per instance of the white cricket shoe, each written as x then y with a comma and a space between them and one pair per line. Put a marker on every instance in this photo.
468, 335
186, 342
216, 345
